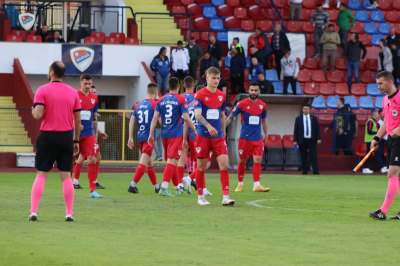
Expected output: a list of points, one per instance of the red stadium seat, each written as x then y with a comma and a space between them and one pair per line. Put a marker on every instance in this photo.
240, 12
368, 77
342, 89
178, 10
120, 36
224, 11
233, 3
325, 117
274, 141
365, 39
386, 4
310, 4
195, 35
254, 12
195, 10
361, 149
20, 33
311, 63
112, 40
248, 3
183, 23
281, 3
304, 75
201, 23
358, 89
33, 38
90, 40
131, 41
311, 88
232, 23
14, 38
358, 27
294, 26
309, 38
264, 25
372, 64
264, 3
288, 141
203, 2
396, 5
335, 76
333, 14
308, 27
186, 2
392, 16
247, 25
306, 14
318, 76
204, 36
327, 89
396, 28
100, 36
341, 64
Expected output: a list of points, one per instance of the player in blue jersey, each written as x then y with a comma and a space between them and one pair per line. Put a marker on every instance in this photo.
172, 111
210, 117
143, 114
253, 113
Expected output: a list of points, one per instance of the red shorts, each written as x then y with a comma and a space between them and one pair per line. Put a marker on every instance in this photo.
205, 145
145, 147
192, 149
250, 148
88, 146
172, 147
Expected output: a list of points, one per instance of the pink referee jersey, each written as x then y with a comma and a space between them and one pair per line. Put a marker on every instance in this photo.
60, 102
391, 111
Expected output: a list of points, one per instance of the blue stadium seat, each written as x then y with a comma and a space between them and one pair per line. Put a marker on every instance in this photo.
227, 61
370, 28
372, 90
362, 16
331, 101
218, 2
278, 87
377, 16
299, 89
222, 36
379, 102
366, 102
319, 102
354, 4
376, 38
367, 4
217, 24
351, 100
384, 28
209, 12
271, 75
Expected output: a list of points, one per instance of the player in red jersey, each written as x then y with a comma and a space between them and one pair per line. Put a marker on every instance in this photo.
210, 117
142, 115
253, 113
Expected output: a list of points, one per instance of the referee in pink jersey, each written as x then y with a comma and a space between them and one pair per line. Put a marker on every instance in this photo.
57, 105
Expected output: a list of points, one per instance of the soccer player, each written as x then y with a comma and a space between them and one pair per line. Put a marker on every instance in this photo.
57, 104
171, 109
143, 115
88, 140
210, 117
253, 113
391, 126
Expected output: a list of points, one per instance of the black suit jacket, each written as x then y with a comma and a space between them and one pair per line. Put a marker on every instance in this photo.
299, 129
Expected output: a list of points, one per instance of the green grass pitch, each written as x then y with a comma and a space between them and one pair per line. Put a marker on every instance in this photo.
304, 220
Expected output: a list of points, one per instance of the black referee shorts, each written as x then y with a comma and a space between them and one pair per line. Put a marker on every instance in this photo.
393, 145
54, 147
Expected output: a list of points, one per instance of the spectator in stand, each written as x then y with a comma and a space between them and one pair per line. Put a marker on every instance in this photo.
238, 65
330, 41
326, 4
254, 52
290, 70
236, 44
206, 62
180, 61
393, 42
214, 48
355, 51
319, 19
374, 4
57, 38
345, 21
195, 53
266, 86
44, 33
161, 66
264, 49
254, 69
385, 61
295, 9
280, 44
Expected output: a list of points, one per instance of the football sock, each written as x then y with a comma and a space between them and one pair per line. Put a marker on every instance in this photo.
152, 175
92, 176
224, 181
241, 169
77, 171
169, 172
180, 170
391, 192
97, 169
68, 190
140, 170
256, 172
37, 191
200, 179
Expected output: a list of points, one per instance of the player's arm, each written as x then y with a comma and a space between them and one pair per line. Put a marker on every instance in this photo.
223, 121
38, 111
200, 118
153, 125
232, 115
265, 129
132, 122
380, 134
188, 121
77, 131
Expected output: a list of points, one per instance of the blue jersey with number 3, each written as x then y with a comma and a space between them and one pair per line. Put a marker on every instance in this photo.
143, 113
171, 108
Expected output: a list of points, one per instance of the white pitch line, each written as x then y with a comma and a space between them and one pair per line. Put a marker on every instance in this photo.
254, 203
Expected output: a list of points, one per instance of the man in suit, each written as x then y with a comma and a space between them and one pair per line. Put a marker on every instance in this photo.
307, 136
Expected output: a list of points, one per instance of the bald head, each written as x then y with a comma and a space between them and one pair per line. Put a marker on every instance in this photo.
56, 70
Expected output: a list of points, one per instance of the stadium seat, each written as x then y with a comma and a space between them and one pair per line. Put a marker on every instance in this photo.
294, 26
358, 89
274, 151
366, 102
233, 3
264, 3
120, 36
336, 76
379, 102
186, 2
240, 12
354, 4
194, 10
217, 24
281, 4
385, 4
342, 89
291, 152
20, 33
90, 40
311, 63
278, 87
318, 102
204, 36
248, 3
365, 39
224, 11
311, 88
358, 27
362, 16
271, 75
274, 141
264, 25
341, 64
299, 89
370, 28
333, 14
308, 27
247, 25
368, 77
325, 117
33, 38
361, 150
254, 12
203, 2
306, 14
318, 76
396, 28
376, 38
351, 100
218, 2
100, 36
361, 115
372, 90
372, 64
178, 10
131, 41
183, 23
232, 23
14, 38
288, 141
331, 101
392, 16
304, 75
309, 4
209, 12
327, 88
201, 23
377, 16
384, 28
222, 36
396, 5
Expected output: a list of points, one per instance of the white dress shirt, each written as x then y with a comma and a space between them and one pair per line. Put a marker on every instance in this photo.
180, 59
307, 126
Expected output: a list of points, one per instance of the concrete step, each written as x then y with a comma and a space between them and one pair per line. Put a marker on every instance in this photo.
14, 148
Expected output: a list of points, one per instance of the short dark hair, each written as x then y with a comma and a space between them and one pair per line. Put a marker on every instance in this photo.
58, 69
152, 88
188, 82
179, 42
236, 39
385, 74
86, 77
254, 84
173, 83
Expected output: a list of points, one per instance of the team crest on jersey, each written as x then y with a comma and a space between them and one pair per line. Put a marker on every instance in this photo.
26, 20
220, 98
93, 101
82, 57
395, 113
206, 98
261, 107
198, 149
240, 152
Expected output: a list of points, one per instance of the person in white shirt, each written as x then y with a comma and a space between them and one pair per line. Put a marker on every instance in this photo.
295, 9
180, 61
290, 69
326, 4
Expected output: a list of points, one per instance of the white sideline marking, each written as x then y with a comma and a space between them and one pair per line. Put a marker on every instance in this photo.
254, 203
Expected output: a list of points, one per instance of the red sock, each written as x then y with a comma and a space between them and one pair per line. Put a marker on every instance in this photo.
169, 172
194, 168
180, 170
92, 176
140, 170
97, 168
77, 170
224, 181
200, 179
241, 169
152, 175
256, 172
